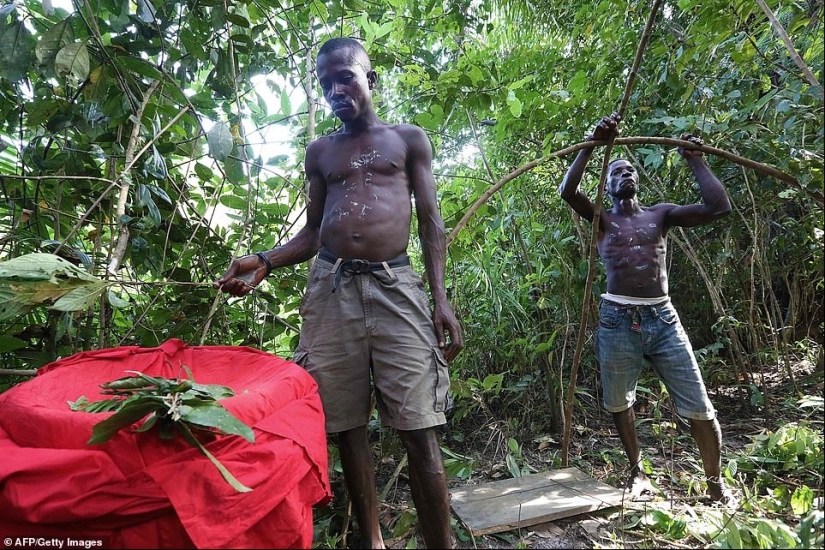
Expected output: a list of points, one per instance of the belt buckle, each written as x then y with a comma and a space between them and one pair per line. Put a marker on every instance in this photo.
359, 266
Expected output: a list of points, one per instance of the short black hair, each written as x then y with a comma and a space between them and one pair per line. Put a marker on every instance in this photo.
614, 161
346, 43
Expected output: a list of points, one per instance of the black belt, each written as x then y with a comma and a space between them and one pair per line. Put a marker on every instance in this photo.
355, 266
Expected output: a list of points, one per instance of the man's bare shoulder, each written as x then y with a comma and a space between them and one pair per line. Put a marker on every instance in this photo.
408, 131
417, 140
661, 206
321, 143
409, 128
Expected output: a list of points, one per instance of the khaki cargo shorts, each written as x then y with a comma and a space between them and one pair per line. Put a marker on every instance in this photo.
375, 326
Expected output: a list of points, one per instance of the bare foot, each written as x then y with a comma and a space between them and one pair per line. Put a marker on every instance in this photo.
638, 484
721, 494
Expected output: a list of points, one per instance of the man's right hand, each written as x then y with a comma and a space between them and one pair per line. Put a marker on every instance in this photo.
606, 127
243, 276
687, 153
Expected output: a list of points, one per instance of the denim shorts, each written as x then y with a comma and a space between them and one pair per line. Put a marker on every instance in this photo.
375, 332
628, 336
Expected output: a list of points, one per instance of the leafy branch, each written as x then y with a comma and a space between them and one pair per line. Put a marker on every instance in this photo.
175, 406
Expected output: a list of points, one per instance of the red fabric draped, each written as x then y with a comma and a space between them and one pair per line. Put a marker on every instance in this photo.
139, 491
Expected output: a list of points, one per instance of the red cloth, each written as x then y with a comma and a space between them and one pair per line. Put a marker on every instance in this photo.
143, 492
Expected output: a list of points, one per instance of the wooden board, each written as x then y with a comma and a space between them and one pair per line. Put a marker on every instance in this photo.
520, 502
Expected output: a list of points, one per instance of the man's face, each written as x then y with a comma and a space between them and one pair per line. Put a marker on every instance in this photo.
346, 82
622, 180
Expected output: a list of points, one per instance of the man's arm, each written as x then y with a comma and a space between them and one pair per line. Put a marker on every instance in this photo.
715, 203
431, 233
569, 189
246, 272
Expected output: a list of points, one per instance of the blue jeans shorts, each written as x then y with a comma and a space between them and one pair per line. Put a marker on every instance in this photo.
628, 336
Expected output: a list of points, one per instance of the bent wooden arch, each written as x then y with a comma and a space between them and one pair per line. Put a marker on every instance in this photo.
634, 140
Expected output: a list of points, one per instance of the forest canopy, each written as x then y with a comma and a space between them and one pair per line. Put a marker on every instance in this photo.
148, 143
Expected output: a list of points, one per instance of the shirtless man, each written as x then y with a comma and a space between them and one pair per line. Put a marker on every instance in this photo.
636, 318
365, 312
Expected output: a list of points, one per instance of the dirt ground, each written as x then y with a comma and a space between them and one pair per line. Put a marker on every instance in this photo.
595, 450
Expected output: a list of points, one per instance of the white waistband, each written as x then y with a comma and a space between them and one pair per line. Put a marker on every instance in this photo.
635, 300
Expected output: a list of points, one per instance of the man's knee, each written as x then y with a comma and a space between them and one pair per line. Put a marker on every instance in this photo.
423, 451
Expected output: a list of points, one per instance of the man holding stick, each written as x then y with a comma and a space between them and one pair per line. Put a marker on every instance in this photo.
637, 321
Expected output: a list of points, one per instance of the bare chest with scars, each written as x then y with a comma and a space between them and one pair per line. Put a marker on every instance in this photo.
634, 251
367, 210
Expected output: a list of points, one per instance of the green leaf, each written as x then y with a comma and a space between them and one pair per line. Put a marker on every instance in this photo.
492, 382
731, 469
16, 43
215, 391
129, 414
733, 537
80, 298
220, 141
115, 301
234, 169
149, 423
72, 62
802, 500
104, 405
52, 41
211, 414
238, 19
139, 66
384, 29
129, 383
514, 103
80, 404
190, 437
145, 11
204, 173
38, 278
286, 104
512, 466
404, 523
10, 343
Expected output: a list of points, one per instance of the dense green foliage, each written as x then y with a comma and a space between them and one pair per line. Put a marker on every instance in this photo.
151, 142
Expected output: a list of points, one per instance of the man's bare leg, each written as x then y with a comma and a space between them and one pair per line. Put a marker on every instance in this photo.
428, 483
637, 482
708, 438
359, 473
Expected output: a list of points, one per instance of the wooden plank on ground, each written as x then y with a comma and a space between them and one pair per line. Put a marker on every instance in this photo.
520, 502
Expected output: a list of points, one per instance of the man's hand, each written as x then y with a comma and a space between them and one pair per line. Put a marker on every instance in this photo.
444, 320
243, 276
608, 126
687, 153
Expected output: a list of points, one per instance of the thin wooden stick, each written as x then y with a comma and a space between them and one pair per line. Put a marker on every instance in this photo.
393, 478
637, 61
591, 272
122, 241
18, 372
783, 34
